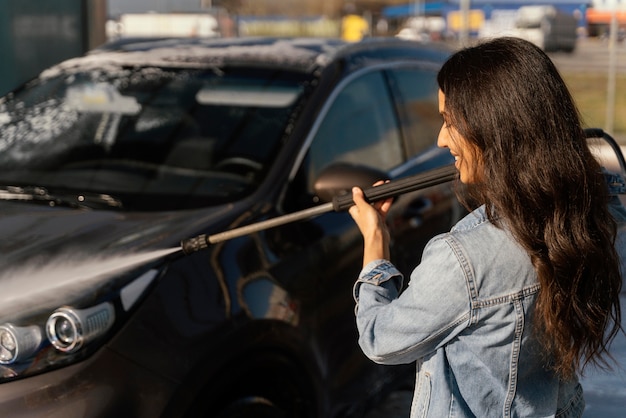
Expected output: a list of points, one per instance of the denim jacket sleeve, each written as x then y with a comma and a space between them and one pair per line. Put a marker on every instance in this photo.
396, 327
617, 186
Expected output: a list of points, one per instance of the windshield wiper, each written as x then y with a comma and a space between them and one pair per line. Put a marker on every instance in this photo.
73, 200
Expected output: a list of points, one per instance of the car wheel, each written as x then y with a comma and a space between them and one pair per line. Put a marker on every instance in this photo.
265, 385
252, 408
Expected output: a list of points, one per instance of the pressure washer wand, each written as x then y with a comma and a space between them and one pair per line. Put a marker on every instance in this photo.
339, 203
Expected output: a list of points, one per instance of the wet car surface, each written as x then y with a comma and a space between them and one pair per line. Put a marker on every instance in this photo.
108, 161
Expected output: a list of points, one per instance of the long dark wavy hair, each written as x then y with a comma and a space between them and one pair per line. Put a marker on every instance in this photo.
541, 181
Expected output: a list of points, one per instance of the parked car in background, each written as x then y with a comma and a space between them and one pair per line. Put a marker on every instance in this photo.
547, 27
121, 154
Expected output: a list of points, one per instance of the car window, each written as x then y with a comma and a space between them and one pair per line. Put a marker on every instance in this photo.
416, 89
359, 128
151, 137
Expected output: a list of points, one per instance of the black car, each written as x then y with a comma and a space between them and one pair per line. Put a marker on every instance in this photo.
109, 161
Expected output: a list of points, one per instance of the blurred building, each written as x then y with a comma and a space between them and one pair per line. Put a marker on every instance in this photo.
35, 34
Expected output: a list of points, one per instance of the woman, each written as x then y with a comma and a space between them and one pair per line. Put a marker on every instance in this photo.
504, 311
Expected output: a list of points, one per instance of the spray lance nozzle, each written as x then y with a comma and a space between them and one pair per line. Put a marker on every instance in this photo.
339, 203
191, 245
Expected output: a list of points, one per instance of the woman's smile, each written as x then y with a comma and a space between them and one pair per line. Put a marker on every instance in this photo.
466, 159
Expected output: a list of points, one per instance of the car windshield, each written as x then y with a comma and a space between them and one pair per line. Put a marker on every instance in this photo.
146, 138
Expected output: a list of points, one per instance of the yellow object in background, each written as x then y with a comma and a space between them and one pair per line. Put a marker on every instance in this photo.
354, 28
476, 20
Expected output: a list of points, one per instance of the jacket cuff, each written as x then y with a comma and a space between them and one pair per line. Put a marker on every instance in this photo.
378, 272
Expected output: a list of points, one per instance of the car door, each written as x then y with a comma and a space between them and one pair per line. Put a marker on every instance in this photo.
416, 217
360, 139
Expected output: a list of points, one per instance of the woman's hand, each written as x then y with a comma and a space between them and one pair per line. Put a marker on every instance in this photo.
370, 218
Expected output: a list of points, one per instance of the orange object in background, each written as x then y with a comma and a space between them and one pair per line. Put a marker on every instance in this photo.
604, 16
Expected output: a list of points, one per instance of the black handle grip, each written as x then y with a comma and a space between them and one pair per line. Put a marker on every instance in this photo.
400, 186
594, 133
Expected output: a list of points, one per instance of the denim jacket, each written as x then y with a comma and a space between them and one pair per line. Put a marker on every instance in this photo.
466, 320
617, 186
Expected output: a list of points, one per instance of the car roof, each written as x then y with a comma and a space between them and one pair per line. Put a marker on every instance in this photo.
296, 54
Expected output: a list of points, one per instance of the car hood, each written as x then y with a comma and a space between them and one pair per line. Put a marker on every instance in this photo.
31, 231
49, 254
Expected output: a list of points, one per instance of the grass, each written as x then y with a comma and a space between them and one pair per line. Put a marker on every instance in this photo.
590, 93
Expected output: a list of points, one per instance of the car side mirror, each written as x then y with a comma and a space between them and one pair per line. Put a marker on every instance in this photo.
339, 178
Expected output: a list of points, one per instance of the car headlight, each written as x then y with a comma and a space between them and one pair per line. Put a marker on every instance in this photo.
41, 340
18, 343
68, 329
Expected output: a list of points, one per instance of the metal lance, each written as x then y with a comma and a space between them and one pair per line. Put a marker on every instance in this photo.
339, 203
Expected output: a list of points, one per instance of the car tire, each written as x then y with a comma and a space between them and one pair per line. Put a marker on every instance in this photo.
263, 385
252, 408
